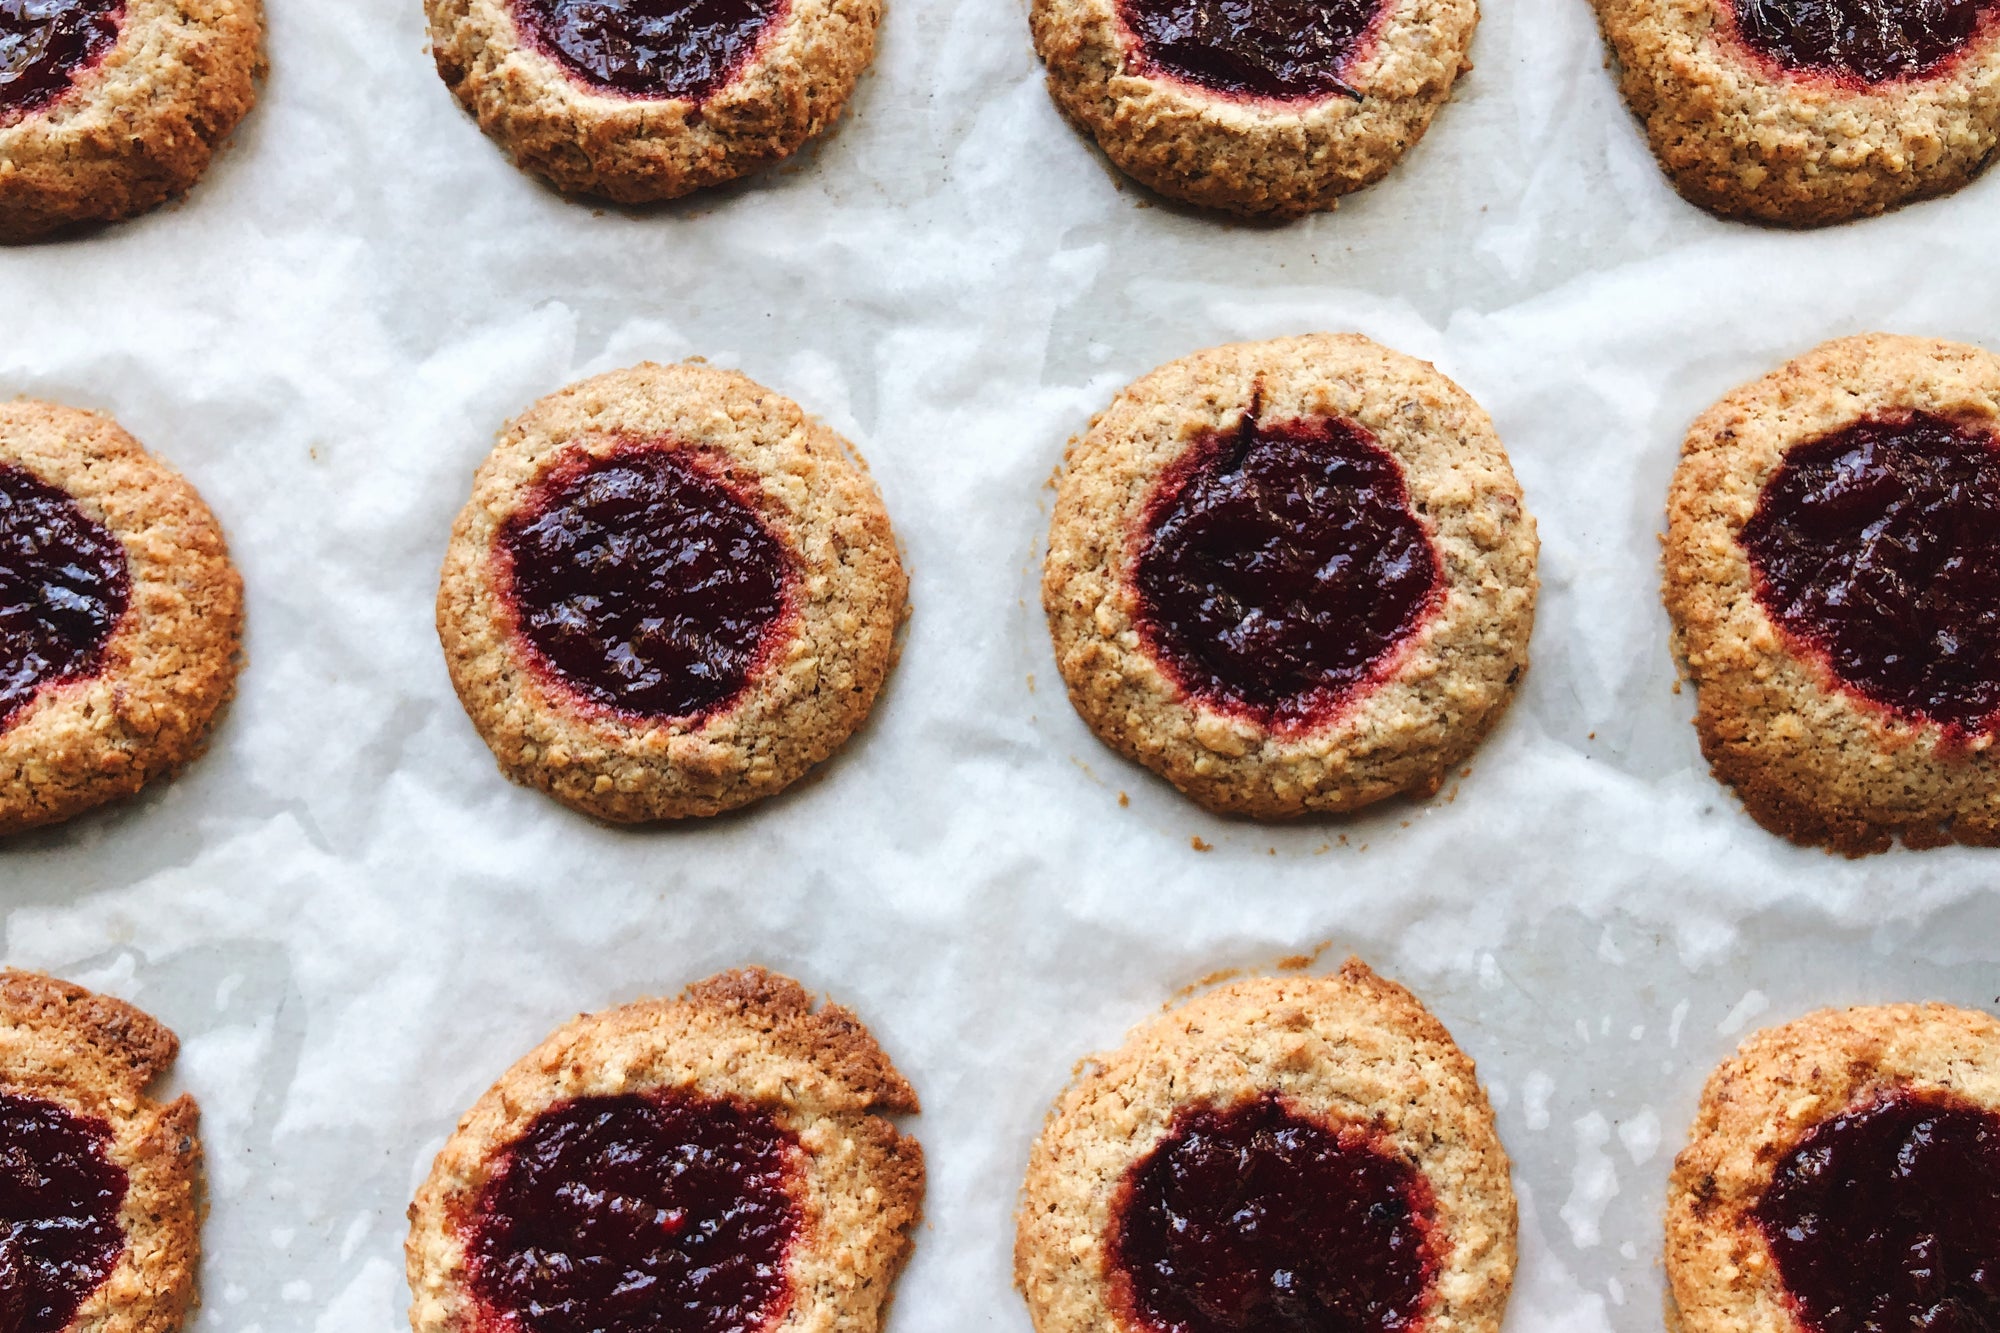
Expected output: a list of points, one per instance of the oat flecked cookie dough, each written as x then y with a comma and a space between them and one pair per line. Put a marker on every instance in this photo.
716, 1162
109, 108
1297, 1152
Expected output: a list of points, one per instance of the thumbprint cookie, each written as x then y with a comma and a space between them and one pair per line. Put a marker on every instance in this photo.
672, 593
712, 1164
1291, 576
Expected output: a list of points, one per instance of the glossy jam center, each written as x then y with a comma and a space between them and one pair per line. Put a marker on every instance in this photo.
1860, 41
1879, 547
649, 48
658, 1213
1281, 49
59, 1201
1282, 567
1886, 1219
43, 43
63, 588
643, 583
1256, 1220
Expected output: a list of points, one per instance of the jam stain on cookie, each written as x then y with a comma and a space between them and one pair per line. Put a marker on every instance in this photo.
650, 48
666, 1212
1878, 547
1282, 568
1253, 1219
44, 44
60, 1195
1285, 50
1886, 1218
1861, 42
64, 586
644, 583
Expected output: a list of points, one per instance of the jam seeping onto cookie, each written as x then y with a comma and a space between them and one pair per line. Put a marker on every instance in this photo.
1254, 1219
664, 1212
1886, 1218
1861, 42
1284, 50
644, 582
650, 48
1878, 548
1282, 568
64, 586
45, 44
60, 1195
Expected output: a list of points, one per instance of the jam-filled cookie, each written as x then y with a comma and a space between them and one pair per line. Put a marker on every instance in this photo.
1807, 112
671, 594
1843, 1176
121, 617
1295, 1153
642, 100
111, 107
1291, 576
98, 1181
1833, 574
1263, 108
710, 1164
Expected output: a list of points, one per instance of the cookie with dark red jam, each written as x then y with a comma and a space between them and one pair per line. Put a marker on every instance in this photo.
671, 594
1262, 108
1831, 571
1280, 1153
97, 1180
1843, 1176
708, 1164
1291, 576
641, 100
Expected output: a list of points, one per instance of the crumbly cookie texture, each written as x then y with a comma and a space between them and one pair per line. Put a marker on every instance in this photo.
95, 1056
1744, 139
748, 1034
1455, 675
1353, 1047
639, 150
172, 662
1761, 1102
1253, 157
1811, 762
140, 126
817, 687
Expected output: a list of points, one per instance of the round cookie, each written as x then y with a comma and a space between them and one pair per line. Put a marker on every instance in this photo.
1297, 1152
641, 101
1843, 1173
1291, 576
1833, 575
721, 1158
98, 1182
1808, 112
1262, 108
109, 108
121, 617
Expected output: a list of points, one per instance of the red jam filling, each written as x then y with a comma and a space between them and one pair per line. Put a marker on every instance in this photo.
644, 583
64, 586
1878, 548
655, 1213
649, 48
45, 43
1282, 568
1284, 50
60, 1195
1257, 1220
1886, 1218
1860, 41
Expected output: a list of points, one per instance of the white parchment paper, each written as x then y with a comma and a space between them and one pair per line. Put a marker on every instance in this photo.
355, 924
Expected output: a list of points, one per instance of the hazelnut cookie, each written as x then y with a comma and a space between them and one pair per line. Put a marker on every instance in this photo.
1303, 1152
109, 108
1291, 576
713, 1163
1843, 1176
1833, 575
1263, 108
121, 617
672, 593
641, 100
